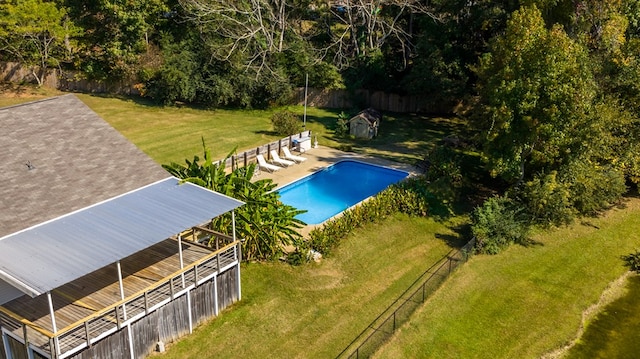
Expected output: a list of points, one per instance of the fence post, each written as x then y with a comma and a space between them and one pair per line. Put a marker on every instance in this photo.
269, 151
394, 321
245, 159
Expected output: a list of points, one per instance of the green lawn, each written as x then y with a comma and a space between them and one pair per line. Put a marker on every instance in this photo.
522, 303
315, 310
615, 331
173, 134
525, 302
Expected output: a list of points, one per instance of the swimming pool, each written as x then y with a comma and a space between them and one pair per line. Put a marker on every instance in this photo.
335, 188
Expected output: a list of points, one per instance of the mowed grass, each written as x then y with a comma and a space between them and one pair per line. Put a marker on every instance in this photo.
524, 302
173, 134
615, 331
315, 310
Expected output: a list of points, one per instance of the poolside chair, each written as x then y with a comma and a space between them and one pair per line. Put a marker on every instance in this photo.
262, 163
292, 157
276, 159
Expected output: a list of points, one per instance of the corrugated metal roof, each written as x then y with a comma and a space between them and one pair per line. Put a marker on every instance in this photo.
56, 252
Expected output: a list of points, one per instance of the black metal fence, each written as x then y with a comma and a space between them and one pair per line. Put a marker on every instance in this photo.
399, 312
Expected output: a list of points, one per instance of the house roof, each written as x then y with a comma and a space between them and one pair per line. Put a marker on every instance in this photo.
75, 196
68, 247
77, 159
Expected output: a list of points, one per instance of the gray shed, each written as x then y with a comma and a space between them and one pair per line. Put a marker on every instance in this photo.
365, 124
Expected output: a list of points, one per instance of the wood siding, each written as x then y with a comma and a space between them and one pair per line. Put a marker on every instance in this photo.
169, 322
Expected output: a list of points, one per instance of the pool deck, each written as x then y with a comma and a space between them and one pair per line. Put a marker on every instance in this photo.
320, 157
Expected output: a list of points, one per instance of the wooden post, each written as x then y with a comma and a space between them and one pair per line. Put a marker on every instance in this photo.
269, 151
215, 295
181, 260
171, 287
118, 323
279, 147
26, 340
245, 159
86, 333
146, 302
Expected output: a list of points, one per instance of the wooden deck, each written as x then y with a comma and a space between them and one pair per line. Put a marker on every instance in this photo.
87, 295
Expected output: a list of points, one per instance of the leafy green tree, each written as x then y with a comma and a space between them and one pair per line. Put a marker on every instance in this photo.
536, 94
37, 33
117, 33
266, 224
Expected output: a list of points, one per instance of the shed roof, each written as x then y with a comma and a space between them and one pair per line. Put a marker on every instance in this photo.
77, 159
48, 255
371, 115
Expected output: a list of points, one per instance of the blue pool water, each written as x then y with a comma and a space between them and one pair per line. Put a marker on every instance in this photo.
333, 189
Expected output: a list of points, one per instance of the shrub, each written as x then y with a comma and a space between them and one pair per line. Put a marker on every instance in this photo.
497, 224
409, 197
342, 125
548, 200
285, 123
632, 261
593, 187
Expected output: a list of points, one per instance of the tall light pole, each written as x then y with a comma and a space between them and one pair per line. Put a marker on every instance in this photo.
304, 118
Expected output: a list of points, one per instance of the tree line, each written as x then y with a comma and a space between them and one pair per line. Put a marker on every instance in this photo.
552, 87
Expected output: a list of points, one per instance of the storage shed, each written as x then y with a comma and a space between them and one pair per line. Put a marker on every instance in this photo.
365, 124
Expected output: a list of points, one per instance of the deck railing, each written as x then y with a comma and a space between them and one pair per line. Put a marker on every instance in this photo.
83, 333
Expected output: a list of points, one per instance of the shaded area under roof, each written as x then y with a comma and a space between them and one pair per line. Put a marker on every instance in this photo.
46, 256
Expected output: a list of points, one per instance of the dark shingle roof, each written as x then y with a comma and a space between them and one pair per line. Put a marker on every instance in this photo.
78, 160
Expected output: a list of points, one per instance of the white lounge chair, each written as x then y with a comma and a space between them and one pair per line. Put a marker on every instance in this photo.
288, 155
262, 163
276, 159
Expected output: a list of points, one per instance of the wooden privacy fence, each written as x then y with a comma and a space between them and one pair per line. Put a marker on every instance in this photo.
175, 304
399, 312
247, 157
380, 100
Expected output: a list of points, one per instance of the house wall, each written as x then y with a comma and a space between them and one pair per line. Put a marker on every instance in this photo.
169, 322
166, 324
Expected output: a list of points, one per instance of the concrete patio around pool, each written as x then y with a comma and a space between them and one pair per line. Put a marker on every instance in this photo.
320, 157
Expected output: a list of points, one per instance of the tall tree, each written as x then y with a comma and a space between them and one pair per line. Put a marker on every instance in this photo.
37, 33
536, 94
117, 33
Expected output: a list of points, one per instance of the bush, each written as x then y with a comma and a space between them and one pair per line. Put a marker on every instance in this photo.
632, 261
548, 200
497, 224
342, 125
286, 123
407, 197
593, 187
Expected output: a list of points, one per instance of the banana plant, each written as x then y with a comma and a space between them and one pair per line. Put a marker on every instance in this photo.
264, 222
